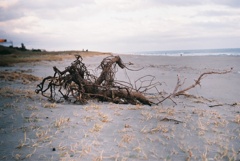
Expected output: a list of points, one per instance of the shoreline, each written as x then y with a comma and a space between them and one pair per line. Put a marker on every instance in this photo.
178, 55
193, 52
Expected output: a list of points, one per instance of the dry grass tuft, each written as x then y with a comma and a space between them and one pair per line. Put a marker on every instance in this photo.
17, 157
201, 126
99, 158
32, 118
204, 156
12, 76
31, 108
88, 119
96, 128
9, 105
86, 149
30, 155
104, 118
147, 115
61, 121
49, 105
10, 92
127, 138
169, 111
160, 128
237, 119
92, 107
23, 142
136, 107
43, 136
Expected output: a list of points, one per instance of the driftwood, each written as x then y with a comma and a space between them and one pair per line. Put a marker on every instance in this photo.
177, 92
77, 84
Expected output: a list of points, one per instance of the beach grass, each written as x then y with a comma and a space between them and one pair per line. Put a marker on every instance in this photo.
17, 56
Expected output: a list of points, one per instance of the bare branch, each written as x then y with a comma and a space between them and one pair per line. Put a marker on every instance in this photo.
177, 92
197, 82
76, 84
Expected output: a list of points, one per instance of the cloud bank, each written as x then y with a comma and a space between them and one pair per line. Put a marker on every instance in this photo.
121, 25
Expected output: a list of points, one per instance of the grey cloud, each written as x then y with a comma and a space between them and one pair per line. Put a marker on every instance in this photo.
46, 9
9, 14
213, 13
216, 26
169, 41
178, 2
230, 3
29, 40
53, 5
40, 8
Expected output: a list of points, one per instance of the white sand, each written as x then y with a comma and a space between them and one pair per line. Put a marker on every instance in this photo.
31, 127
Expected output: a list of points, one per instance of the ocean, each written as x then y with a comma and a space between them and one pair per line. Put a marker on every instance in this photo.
200, 52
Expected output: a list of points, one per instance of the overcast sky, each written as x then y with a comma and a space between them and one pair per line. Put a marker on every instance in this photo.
121, 25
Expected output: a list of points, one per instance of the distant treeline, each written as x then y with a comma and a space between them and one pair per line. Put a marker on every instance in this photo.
9, 50
23, 48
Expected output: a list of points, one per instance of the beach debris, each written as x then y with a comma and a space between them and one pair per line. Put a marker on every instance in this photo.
76, 84
178, 92
215, 105
169, 119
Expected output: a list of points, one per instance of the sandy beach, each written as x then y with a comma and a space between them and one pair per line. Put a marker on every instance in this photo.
204, 126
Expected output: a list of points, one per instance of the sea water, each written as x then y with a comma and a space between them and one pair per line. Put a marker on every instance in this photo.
200, 52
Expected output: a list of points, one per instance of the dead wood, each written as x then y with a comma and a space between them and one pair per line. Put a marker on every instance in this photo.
173, 120
76, 84
215, 105
177, 92
108, 74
